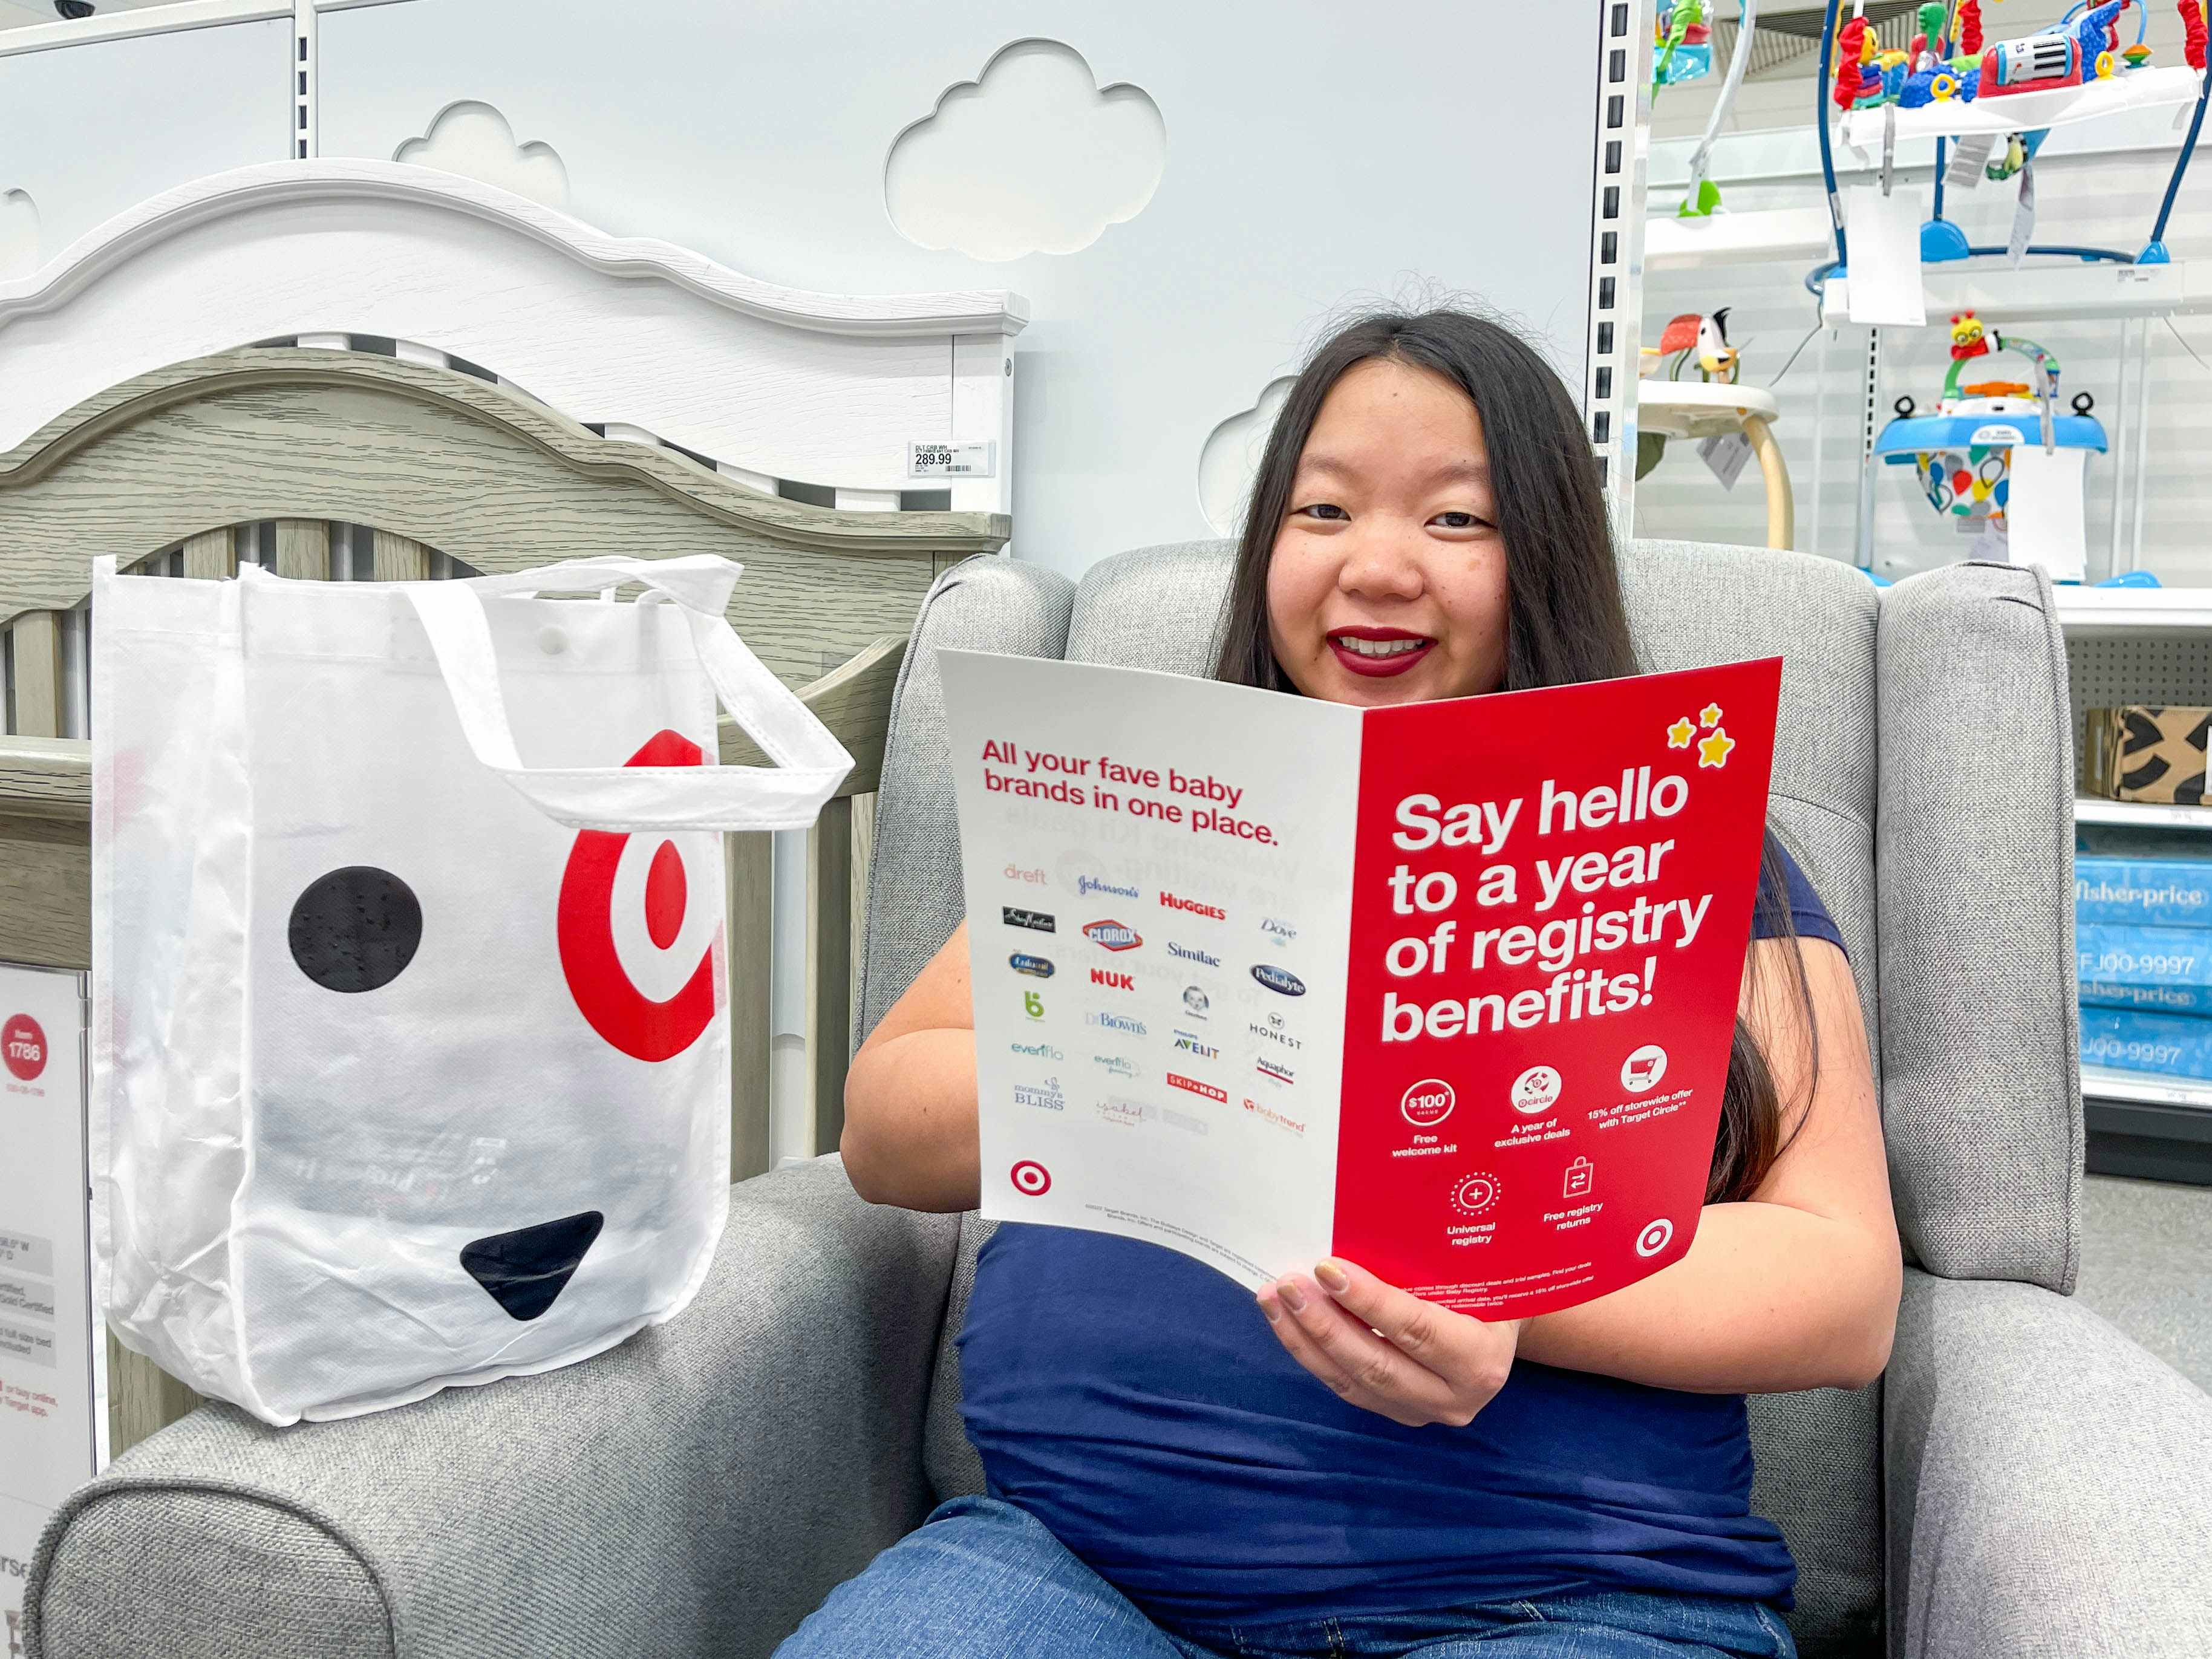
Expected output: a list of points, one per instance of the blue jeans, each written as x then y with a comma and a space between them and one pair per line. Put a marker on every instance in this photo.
982, 1578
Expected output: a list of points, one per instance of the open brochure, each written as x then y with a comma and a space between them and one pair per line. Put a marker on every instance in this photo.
1446, 988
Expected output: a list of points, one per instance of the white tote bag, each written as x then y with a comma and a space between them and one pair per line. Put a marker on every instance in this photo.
409, 1051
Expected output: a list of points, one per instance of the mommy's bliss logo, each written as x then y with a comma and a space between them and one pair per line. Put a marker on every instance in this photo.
23, 1047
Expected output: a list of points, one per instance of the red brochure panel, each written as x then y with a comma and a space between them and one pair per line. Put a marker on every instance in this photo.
1553, 895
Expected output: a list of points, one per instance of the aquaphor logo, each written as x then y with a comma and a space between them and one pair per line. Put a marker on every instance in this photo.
1112, 982
1278, 979
1122, 1022
1036, 965
1174, 901
1113, 935
1087, 885
1036, 921
1189, 955
1191, 1084
1186, 1043
1037, 1051
1275, 1069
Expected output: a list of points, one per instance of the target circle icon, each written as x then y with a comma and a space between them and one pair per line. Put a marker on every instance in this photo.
1031, 1179
1655, 1238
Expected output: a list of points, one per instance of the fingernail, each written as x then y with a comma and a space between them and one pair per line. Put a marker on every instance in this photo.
1289, 1291
1332, 1277
1267, 1307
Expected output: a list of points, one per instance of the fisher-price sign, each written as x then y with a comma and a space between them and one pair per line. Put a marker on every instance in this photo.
1448, 988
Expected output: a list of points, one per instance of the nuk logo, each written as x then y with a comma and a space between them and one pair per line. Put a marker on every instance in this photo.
1113, 981
600, 904
23, 1047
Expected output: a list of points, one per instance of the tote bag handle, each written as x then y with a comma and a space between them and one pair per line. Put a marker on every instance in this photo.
810, 763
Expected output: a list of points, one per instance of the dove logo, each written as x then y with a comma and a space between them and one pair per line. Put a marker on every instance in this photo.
640, 937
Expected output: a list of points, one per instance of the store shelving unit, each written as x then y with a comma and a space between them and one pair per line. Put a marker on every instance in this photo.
2147, 645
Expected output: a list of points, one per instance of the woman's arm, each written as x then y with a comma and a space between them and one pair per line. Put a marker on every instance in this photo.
910, 1095
1797, 1287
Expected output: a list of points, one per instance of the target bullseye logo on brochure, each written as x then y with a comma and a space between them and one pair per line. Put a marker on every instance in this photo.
1031, 1178
1655, 1238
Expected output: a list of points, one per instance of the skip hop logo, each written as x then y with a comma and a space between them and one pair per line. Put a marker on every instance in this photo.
23, 1047
1428, 1102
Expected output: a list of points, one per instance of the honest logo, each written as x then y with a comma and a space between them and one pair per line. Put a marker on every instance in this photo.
1113, 935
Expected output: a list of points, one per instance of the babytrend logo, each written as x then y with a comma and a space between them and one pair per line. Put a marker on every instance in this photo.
591, 960
23, 1047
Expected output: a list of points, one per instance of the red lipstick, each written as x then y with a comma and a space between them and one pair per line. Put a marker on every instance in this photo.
1389, 651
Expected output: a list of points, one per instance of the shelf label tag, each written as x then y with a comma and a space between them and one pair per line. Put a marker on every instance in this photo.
1725, 454
976, 460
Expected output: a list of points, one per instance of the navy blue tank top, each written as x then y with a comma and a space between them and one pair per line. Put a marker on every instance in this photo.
1134, 1400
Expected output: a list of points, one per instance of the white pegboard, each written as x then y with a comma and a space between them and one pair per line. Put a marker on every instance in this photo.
2107, 671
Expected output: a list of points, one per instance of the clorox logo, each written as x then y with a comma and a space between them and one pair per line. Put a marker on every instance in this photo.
1113, 935
1278, 979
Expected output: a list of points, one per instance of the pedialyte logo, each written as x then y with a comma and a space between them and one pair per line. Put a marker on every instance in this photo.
1278, 979
1026, 964
627, 914
1113, 935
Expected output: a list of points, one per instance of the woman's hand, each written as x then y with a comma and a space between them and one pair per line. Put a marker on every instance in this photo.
1428, 1365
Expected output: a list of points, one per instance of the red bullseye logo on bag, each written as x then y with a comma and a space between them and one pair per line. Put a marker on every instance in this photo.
611, 909
1428, 1102
1030, 1179
23, 1047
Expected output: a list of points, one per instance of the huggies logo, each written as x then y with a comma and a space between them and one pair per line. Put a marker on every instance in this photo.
610, 909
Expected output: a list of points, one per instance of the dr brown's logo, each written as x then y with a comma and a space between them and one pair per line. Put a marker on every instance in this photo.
605, 994
23, 1047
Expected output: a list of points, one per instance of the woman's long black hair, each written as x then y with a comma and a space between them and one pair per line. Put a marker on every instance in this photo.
1566, 621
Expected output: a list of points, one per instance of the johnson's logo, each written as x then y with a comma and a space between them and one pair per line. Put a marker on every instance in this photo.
1113, 935
1278, 979
1173, 903
1088, 885
1176, 1080
1025, 964
23, 1047
1112, 982
1189, 955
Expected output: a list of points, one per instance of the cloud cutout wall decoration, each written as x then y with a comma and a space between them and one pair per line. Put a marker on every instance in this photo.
1032, 156
476, 141
1231, 456
18, 234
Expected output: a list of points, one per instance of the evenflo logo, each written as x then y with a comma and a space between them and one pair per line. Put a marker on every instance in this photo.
1113, 935
23, 1047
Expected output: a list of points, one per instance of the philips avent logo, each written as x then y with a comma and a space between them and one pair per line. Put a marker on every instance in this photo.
1187, 954
1087, 885
1113, 935
1122, 1022
1196, 908
1278, 979
1187, 1044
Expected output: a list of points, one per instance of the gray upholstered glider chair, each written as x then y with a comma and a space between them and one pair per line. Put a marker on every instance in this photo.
2024, 1482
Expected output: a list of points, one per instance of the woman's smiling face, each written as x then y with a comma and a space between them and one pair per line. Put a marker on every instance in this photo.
1387, 581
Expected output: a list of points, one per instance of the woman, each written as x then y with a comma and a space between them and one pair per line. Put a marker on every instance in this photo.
1177, 1467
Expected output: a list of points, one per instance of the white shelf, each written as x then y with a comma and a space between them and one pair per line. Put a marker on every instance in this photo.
1735, 239
2140, 814
2071, 292
2104, 1083
2023, 112
2093, 613
1699, 409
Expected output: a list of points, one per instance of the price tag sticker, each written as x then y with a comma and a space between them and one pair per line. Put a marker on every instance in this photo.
1726, 455
976, 460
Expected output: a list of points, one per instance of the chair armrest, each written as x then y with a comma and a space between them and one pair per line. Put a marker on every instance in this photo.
2047, 1482
697, 1491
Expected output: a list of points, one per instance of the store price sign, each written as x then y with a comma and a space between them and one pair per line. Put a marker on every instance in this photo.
53, 1411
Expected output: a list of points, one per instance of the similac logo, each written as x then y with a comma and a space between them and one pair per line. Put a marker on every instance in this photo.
1187, 954
1194, 907
1112, 982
